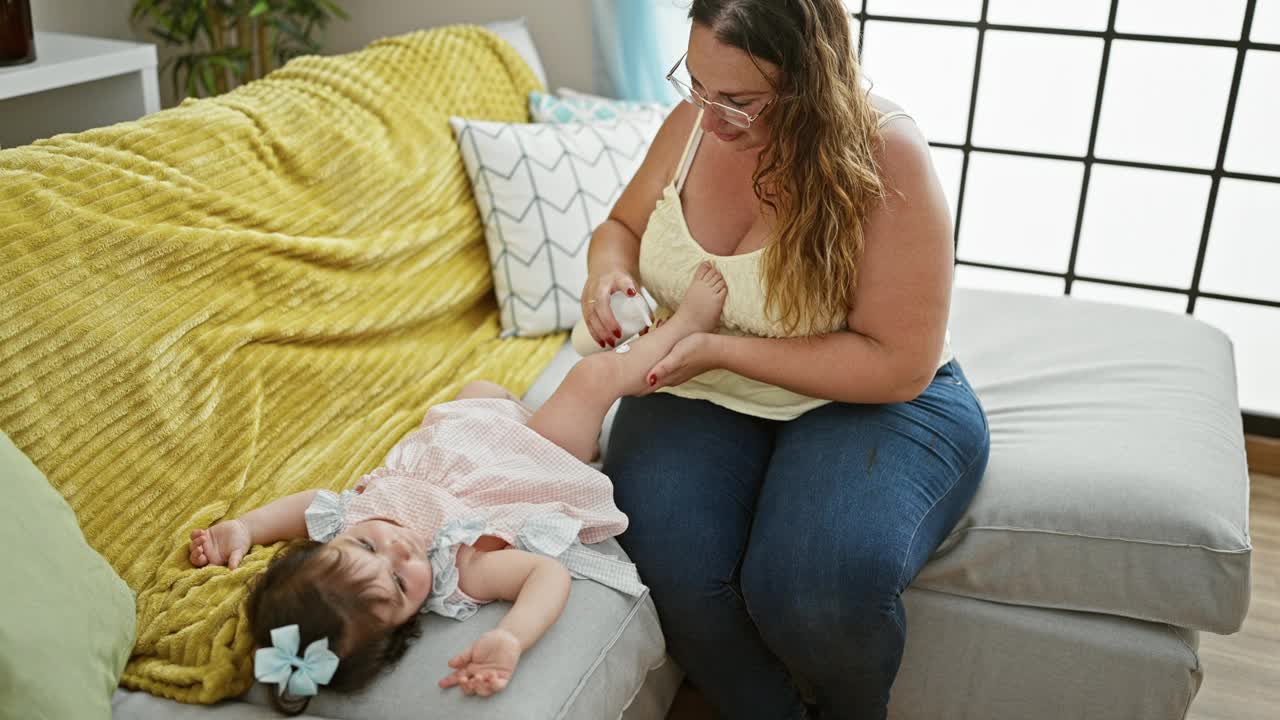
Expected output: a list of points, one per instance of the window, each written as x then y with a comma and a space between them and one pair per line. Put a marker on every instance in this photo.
1134, 141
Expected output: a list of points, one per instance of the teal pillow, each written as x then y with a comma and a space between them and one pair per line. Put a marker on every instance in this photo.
66, 619
579, 108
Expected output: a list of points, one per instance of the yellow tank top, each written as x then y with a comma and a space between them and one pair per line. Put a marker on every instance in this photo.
668, 257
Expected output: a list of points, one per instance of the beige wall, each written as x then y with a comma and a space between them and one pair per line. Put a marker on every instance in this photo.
102, 18
561, 29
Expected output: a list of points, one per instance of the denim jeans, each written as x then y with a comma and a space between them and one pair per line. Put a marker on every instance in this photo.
777, 551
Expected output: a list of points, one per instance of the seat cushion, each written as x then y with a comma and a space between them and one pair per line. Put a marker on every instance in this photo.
67, 619
1117, 480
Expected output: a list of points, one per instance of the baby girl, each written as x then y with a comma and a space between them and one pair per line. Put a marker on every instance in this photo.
487, 500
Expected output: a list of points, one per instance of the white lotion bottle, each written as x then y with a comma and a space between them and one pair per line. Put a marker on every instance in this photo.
633, 315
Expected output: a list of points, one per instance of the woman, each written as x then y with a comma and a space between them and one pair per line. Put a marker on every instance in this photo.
797, 468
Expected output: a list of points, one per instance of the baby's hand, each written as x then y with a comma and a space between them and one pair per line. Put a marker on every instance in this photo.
223, 544
485, 667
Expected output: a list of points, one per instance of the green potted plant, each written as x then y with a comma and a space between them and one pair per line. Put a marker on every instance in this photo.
231, 42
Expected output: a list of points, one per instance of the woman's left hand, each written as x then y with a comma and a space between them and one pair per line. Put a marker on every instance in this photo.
690, 357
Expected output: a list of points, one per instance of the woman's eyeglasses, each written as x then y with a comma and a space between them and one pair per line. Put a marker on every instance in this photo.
731, 115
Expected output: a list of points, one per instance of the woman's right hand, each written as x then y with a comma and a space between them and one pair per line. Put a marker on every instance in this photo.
595, 304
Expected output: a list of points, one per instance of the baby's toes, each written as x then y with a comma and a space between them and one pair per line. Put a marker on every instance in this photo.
704, 267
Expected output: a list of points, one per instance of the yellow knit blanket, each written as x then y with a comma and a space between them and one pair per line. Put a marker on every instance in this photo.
243, 297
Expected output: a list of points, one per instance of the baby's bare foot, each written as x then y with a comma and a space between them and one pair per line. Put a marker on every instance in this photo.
703, 301
223, 544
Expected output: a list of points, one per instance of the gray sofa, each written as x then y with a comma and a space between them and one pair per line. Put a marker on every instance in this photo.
1110, 529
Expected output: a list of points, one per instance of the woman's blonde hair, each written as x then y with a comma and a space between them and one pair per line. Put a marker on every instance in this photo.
818, 170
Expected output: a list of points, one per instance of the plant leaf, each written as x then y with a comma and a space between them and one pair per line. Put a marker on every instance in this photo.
193, 90
207, 79
169, 38
177, 63
334, 9
142, 8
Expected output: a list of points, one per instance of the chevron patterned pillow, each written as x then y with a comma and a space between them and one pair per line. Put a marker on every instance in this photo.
541, 190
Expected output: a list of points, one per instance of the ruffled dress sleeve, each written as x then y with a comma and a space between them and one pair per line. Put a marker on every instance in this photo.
446, 597
327, 513
556, 535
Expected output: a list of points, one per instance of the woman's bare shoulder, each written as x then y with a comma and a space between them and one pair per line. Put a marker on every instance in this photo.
902, 142
669, 143
884, 105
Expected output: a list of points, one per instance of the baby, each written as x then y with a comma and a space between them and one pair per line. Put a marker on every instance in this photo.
487, 500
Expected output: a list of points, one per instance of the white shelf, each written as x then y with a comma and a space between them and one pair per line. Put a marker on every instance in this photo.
76, 83
63, 60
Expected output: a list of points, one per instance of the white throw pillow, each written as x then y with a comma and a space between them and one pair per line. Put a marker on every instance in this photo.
544, 107
541, 190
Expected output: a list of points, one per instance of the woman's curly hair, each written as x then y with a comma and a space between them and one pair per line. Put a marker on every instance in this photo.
818, 170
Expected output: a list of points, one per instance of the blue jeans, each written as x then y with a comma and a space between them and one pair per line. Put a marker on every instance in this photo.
777, 552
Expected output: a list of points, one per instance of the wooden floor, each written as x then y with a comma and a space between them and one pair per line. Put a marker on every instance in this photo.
1241, 671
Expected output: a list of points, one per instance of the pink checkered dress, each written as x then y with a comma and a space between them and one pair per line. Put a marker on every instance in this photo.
474, 467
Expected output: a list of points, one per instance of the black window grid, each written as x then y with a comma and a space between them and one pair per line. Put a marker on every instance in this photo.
1257, 423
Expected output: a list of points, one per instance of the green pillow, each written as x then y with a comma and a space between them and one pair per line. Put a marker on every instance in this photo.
66, 618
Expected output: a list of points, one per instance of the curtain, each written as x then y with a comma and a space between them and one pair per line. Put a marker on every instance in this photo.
636, 41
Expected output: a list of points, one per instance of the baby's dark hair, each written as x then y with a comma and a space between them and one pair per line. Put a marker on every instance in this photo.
306, 585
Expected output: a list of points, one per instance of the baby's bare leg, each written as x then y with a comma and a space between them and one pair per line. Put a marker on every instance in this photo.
572, 416
485, 389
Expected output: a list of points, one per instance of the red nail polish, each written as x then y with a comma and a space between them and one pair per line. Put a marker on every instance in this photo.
601, 343
611, 344
617, 333
630, 292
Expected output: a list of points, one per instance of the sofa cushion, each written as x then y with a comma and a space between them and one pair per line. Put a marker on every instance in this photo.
1117, 480
580, 108
68, 619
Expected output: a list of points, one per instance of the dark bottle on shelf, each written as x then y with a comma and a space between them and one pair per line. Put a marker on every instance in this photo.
17, 38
